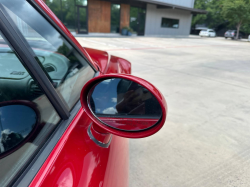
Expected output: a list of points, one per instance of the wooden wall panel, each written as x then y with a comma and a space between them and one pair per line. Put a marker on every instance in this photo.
125, 16
99, 15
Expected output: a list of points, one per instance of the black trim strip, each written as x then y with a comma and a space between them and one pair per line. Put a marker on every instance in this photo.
103, 145
28, 57
41, 11
32, 169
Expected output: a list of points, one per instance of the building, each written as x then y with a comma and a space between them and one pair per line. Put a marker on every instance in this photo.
145, 17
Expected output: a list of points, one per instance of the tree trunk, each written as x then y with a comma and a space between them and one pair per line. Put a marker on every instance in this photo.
238, 29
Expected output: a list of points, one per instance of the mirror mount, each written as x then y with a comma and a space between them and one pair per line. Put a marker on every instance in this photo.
102, 139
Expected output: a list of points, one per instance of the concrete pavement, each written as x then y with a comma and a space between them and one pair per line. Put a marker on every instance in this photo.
206, 82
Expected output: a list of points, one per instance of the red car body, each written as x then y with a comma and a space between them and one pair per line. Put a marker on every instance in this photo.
76, 160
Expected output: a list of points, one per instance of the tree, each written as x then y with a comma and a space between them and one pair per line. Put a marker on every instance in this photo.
213, 18
236, 12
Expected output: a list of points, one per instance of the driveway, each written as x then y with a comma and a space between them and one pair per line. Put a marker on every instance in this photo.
206, 82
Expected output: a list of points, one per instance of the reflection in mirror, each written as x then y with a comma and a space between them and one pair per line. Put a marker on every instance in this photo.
124, 105
16, 123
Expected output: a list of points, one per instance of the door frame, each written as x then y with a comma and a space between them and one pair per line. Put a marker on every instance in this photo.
77, 19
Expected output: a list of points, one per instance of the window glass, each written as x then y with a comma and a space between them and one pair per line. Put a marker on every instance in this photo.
66, 11
65, 67
137, 20
82, 2
82, 19
18, 121
134, 17
68, 14
170, 23
115, 18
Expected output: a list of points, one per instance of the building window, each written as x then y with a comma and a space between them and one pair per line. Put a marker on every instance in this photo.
115, 18
67, 11
82, 2
170, 23
137, 19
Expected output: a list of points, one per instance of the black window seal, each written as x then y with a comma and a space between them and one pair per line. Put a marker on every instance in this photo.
28, 57
32, 169
48, 18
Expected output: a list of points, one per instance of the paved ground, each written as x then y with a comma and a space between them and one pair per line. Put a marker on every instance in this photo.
206, 82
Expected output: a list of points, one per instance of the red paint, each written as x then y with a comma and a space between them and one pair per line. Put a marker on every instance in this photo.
100, 57
76, 160
65, 179
131, 124
86, 163
120, 64
64, 29
139, 134
109, 63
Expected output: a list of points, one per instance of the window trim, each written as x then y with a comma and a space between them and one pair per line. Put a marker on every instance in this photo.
170, 27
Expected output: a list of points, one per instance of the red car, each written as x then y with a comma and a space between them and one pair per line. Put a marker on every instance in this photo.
66, 111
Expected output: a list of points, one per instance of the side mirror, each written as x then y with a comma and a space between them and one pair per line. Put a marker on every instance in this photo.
124, 105
18, 122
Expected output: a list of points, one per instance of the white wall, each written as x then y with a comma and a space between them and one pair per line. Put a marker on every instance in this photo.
154, 17
186, 3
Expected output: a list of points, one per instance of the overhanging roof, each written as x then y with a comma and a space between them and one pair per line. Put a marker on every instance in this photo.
162, 5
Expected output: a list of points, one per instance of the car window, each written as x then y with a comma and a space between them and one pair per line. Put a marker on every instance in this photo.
17, 85
67, 70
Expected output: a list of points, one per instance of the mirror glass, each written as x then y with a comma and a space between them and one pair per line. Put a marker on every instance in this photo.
124, 105
16, 123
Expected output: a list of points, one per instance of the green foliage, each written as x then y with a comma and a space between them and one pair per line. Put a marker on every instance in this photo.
115, 17
65, 10
213, 18
236, 11
130, 30
127, 28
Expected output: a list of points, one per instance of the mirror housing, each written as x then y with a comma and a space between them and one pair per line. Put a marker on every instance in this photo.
101, 127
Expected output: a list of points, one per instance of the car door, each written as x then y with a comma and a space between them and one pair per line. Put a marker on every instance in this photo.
50, 70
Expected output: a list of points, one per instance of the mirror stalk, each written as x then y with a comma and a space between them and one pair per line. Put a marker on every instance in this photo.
99, 134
